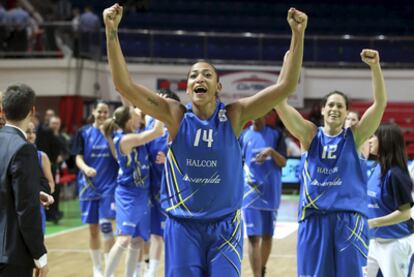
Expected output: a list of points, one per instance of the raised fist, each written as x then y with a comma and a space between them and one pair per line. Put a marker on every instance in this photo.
112, 16
370, 57
297, 20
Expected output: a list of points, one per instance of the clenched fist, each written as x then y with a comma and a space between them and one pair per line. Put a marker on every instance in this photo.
370, 57
297, 20
112, 16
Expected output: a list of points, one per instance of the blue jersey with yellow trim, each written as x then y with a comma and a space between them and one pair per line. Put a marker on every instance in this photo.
156, 169
134, 167
262, 181
203, 172
386, 196
332, 178
91, 143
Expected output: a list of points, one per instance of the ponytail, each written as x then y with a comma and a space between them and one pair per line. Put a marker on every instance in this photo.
117, 121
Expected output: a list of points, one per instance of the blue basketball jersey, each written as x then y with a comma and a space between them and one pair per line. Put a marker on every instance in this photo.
134, 167
203, 171
156, 170
332, 178
384, 197
91, 143
39, 156
262, 181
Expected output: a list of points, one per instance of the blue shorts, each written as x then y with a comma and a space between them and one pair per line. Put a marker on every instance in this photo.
94, 210
198, 248
259, 222
334, 244
158, 218
132, 211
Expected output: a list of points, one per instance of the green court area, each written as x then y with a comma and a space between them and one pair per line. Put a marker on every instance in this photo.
71, 218
290, 197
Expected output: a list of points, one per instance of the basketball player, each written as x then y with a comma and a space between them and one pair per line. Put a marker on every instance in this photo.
332, 235
157, 150
389, 191
264, 154
96, 180
203, 183
132, 191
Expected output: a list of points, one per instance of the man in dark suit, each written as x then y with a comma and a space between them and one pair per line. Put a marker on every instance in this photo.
21, 238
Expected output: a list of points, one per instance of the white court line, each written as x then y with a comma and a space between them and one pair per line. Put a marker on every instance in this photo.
66, 231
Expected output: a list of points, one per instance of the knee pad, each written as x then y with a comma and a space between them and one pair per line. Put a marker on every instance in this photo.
106, 229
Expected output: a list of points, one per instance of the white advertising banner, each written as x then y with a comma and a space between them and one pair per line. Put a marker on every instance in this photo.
244, 83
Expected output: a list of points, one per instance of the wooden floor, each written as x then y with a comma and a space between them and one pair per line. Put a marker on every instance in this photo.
68, 256
68, 253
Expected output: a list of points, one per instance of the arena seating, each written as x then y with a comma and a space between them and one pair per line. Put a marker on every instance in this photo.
346, 19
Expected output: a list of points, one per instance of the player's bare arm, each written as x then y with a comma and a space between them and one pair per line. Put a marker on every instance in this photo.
298, 126
262, 102
169, 112
372, 117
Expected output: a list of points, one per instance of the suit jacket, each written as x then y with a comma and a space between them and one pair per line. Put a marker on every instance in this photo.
21, 237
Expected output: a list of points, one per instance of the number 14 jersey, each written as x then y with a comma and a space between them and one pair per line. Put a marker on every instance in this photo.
203, 177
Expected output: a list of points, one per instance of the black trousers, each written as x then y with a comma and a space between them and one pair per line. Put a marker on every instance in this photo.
11, 270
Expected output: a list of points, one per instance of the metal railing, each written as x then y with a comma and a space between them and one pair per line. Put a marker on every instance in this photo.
58, 39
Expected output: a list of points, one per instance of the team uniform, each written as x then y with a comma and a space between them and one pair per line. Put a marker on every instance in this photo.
158, 216
333, 230
390, 247
202, 192
132, 191
96, 194
262, 181
42, 209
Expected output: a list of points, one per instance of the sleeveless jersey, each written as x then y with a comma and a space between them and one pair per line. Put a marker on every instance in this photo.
39, 156
156, 170
134, 167
385, 197
262, 181
96, 152
332, 178
203, 172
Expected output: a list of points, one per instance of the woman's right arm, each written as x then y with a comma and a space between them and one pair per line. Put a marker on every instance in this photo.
87, 170
299, 127
402, 214
169, 112
47, 171
129, 141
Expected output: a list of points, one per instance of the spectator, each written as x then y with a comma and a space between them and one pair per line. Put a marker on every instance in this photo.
75, 29
54, 213
18, 21
89, 36
3, 29
47, 142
